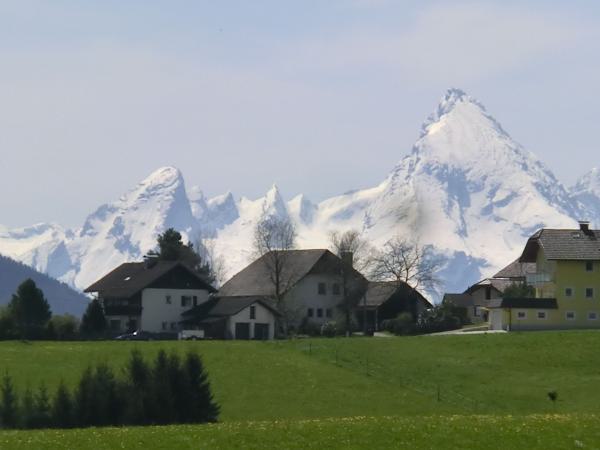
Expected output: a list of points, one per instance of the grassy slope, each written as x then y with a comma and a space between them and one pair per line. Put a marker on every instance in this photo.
264, 381
551, 432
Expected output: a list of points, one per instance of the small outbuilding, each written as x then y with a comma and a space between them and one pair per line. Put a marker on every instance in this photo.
250, 317
384, 300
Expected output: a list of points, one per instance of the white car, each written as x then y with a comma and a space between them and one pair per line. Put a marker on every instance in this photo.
190, 335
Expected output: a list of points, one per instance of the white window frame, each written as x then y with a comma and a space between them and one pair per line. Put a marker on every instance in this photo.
524, 313
570, 318
593, 293
595, 313
572, 292
537, 315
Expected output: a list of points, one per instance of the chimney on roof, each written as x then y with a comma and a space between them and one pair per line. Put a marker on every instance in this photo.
347, 258
150, 261
584, 226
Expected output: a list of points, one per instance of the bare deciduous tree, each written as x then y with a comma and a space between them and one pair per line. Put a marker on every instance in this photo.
351, 241
215, 262
273, 237
355, 255
405, 260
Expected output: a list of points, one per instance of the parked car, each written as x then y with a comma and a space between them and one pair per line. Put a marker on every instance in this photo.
192, 335
136, 336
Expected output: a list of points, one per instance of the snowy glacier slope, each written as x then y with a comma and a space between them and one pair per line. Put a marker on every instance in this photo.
467, 190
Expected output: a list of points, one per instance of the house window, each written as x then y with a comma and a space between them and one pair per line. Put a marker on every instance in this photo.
336, 289
253, 312
173, 326
569, 292
589, 292
322, 289
475, 311
488, 292
541, 315
592, 315
521, 315
589, 266
319, 312
115, 324
165, 325
195, 299
168, 299
186, 301
328, 313
311, 312
570, 315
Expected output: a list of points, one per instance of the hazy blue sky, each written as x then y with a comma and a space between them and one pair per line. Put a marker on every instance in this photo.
317, 96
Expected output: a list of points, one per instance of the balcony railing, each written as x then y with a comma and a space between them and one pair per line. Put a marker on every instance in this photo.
538, 279
122, 310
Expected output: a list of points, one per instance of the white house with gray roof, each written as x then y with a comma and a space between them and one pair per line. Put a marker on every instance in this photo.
312, 287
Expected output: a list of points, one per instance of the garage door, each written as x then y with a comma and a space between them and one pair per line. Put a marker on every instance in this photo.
261, 331
242, 330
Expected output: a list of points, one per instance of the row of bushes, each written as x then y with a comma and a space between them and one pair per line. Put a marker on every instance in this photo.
442, 317
170, 390
330, 328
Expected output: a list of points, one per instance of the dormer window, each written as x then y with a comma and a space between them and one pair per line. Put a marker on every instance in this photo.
322, 289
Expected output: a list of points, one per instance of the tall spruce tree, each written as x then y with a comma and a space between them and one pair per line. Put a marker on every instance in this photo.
30, 310
9, 408
203, 408
93, 322
172, 248
62, 407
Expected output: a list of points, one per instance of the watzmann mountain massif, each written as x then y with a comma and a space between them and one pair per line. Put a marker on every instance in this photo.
466, 189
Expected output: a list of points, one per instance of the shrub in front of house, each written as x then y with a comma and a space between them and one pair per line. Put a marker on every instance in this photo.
309, 328
403, 324
439, 318
329, 329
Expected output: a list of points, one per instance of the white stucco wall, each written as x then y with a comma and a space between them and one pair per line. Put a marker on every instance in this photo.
262, 315
305, 294
155, 309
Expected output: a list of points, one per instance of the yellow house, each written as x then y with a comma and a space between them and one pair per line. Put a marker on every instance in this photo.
566, 279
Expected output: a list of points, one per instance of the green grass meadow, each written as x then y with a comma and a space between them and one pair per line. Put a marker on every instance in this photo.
479, 391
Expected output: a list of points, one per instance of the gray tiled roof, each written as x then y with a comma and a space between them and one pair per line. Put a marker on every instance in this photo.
255, 279
228, 306
378, 292
524, 303
515, 269
563, 244
130, 278
462, 300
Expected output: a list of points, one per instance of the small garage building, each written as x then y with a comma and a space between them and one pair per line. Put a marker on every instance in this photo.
251, 317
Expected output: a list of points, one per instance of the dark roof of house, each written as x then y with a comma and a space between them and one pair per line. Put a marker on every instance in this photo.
499, 284
228, 306
255, 279
563, 244
130, 278
524, 303
461, 300
378, 292
219, 307
516, 269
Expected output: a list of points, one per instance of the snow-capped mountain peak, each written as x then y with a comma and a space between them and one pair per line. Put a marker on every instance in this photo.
587, 192
588, 183
273, 203
467, 191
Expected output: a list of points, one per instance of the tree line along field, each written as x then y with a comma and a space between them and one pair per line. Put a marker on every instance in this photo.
332, 393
